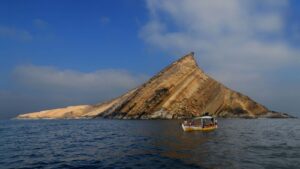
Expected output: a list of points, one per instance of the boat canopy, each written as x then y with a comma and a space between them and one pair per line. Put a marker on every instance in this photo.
203, 117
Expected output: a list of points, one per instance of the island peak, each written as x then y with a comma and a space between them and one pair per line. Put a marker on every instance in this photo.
181, 90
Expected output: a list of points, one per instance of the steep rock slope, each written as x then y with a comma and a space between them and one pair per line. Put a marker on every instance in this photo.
181, 90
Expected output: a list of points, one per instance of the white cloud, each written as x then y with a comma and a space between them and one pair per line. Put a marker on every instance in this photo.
37, 88
13, 33
238, 42
104, 83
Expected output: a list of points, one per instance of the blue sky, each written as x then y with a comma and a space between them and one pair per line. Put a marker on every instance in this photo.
59, 53
74, 34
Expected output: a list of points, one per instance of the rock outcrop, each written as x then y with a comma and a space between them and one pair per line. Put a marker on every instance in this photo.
181, 90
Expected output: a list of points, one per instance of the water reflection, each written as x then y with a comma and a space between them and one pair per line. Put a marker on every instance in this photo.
237, 143
169, 140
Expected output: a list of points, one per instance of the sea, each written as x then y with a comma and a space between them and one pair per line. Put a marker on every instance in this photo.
99, 143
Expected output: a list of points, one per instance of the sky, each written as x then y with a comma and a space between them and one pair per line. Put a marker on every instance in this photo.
59, 53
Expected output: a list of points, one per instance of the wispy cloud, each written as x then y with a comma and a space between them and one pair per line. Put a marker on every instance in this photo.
42, 87
238, 42
15, 34
40, 24
102, 83
104, 20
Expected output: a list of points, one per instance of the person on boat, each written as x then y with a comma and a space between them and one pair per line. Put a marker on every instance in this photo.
187, 123
211, 122
192, 123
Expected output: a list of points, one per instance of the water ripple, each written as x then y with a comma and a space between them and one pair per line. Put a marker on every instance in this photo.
238, 143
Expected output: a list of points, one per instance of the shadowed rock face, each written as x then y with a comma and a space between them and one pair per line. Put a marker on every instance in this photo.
181, 90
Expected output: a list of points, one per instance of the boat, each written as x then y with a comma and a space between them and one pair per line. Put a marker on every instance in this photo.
204, 123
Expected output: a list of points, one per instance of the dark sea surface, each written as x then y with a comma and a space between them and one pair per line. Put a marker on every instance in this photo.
238, 143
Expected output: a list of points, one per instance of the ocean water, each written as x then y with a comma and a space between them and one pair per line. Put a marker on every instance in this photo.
238, 143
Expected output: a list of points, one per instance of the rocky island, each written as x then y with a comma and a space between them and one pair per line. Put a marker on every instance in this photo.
181, 90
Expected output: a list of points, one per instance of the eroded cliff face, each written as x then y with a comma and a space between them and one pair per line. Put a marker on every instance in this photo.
181, 90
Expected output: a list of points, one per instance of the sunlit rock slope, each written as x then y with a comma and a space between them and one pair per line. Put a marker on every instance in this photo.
181, 90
